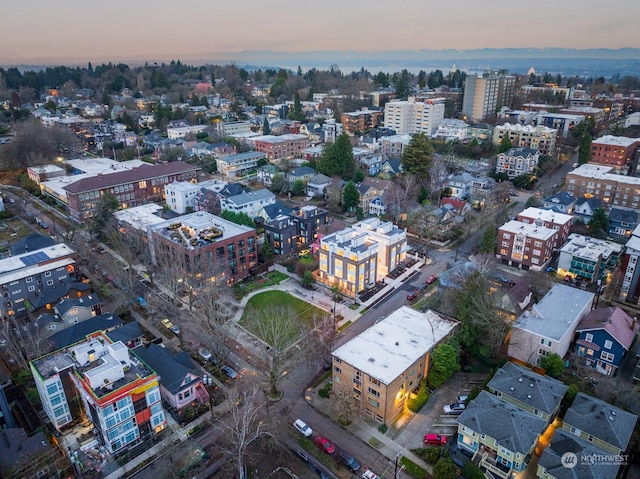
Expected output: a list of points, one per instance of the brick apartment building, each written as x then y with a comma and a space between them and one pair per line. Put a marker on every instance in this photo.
526, 246
601, 182
281, 147
361, 121
617, 151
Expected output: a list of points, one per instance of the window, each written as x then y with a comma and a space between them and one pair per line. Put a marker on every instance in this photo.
337, 369
588, 337
47, 274
374, 392
374, 381
373, 402
608, 344
605, 356
49, 282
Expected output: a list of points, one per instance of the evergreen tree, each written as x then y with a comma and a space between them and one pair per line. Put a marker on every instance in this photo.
488, 243
337, 158
584, 150
422, 79
505, 144
417, 156
402, 85
599, 223
350, 196
266, 129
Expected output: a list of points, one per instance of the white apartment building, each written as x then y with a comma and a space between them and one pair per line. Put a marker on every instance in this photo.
180, 195
250, 203
452, 130
414, 116
539, 138
182, 131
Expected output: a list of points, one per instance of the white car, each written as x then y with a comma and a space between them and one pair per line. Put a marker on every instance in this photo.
302, 427
204, 354
369, 474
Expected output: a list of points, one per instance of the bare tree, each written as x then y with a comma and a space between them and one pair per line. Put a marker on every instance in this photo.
279, 327
345, 405
24, 341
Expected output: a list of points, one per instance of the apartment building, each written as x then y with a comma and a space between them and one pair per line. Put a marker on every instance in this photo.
549, 219
361, 121
451, 130
517, 161
414, 116
354, 258
617, 151
485, 95
589, 259
134, 187
118, 392
205, 248
34, 273
601, 182
526, 246
539, 138
250, 203
393, 146
630, 289
239, 164
281, 147
384, 364
182, 131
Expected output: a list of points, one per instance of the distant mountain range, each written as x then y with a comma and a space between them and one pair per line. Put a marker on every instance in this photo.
563, 61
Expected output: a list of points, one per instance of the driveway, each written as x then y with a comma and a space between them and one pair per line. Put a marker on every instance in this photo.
430, 418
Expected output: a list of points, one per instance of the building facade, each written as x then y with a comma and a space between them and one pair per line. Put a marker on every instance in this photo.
239, 164
616, 151
361, 121
485, 95
549, 219
524, 245
414, 116
281, 147
517, 161
602, 183
588, 259
539, 138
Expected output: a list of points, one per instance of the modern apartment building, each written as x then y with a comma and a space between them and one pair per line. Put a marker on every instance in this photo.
527, 246
384, 364
587, 258
485, 95
205, 248
118, 392
358, 256
239, 164
630, 289
617, 151
601, 182
517, 161
361, 121
539, 138
281, 147
33, 273
414, 116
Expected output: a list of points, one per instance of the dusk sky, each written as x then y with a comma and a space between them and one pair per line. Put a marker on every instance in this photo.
73, 31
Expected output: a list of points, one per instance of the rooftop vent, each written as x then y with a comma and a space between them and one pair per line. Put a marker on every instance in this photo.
528, 396
397, 343
372, 360
520, 380
512, 388
530, 385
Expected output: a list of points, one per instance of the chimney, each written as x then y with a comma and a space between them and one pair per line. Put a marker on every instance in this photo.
634, 323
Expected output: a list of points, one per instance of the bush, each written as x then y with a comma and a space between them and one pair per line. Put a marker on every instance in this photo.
432, 455
383, 428
471, 471
445, 469
324, 392
415, 404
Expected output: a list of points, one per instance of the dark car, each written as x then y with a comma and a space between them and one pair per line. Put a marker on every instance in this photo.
414, 295
229, 372
345, 458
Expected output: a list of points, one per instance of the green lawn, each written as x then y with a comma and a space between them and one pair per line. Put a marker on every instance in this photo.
303, 310
270, 279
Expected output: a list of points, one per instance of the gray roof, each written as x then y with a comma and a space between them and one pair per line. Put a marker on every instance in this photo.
85, 301
16, 446
556, 313
513, 428
564, 442
602, 420
126, 333
302, 171
561, 198
32, 242
319, 179
172, 368
251, 196
540, 392
79, 331
277, 209
623, 215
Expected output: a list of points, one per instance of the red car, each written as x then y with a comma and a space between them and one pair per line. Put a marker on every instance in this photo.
324, 444
431, 279
435, 439
412, 296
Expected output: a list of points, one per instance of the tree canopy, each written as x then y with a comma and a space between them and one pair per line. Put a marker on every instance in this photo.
417, 156
337, 158
350, 196
599, 223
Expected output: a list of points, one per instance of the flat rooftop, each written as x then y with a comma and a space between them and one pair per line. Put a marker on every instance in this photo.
611, 140
392, 345
140, 217
590, 248
530, 230
20, 266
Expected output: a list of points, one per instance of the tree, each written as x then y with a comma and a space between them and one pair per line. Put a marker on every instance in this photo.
307, 279
103, 221
444, 469
553, 365
337, 158
278, 326
488, 242
350, 196
599, 223
417, 156
471, 471
344, 405
444, 362
23, 341
358, 176
402, 85
584, 149
266, 128
297, 188
505, 144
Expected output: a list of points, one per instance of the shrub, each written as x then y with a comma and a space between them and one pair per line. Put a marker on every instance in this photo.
471, 471
383, 428
415, 404
324, 392
432, 455
444, 469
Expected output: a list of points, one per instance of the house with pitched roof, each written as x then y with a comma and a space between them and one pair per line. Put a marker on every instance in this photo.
622, 222
605, 336
600, 423
251, 202
500, 436
585, 207
78, 332
317, 184
561, 202
540, 395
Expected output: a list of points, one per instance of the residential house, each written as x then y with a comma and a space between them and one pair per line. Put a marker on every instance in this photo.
604, 338
602, 424
585, 207
452, 130
550, 325
384, 364
301, 173
34, 272
317, 184
524, 245
309, 220
390, 169
27, 456
266, 174
371, 163
561, 202
500, 436
31, 242
182, 131
118, 392
181, 195
240, 164
70, 311
372, 192
602, 182
481, 132
440, 220
630, 289
587, 258
461, 208
549, 219
130, 334
180, 380
537, 394
38, 302
622, 222
517, 161
271, 212
357, 257
78, 332
251, 202
460, 185
205, 248
516, 298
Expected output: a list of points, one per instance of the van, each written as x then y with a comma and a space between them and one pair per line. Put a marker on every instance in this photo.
302, 427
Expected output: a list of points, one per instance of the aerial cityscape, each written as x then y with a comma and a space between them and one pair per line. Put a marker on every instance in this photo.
340, 241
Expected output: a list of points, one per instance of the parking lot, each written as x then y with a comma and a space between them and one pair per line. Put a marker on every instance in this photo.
430, 419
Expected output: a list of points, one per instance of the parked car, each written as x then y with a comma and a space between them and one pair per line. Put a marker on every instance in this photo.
303, 253
229, 371
142, 302
454, 409
166, 323
369, 474
302, 427
431, 279
435, 439
345, 458
462, 398
204, 354
413, 295
175, 329
324, 444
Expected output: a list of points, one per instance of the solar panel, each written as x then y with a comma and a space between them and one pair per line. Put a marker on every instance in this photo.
34, 258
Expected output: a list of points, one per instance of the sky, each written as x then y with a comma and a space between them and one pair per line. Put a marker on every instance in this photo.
74, 31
